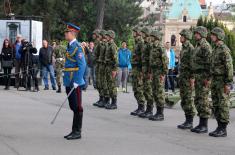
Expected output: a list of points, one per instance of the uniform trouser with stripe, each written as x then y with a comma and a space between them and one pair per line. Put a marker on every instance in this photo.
75, 104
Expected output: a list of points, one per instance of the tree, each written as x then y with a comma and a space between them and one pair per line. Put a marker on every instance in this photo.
118, 15
100, 13
229, 35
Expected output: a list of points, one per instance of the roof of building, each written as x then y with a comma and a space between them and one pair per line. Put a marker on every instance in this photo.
193, 8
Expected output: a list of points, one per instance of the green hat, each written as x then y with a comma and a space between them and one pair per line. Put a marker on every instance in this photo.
156, 34
96, 32
111, 33
186, 33
103, 32
201, 30
145, 30
136, 29
217, 31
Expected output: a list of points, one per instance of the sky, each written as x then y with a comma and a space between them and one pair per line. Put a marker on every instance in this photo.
219, 1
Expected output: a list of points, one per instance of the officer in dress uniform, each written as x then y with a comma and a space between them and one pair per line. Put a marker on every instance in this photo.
74, 69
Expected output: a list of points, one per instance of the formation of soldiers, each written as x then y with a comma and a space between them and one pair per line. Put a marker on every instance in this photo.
106, 68
201, 69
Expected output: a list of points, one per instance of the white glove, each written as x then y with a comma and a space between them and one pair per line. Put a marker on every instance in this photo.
61, 59
75, 85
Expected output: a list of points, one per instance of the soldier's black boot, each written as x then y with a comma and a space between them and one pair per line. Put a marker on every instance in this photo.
159, 116
202, 127
100, 100
148, 113
104, 102
59, 89
77, 127
113, 104
138, 111
188, 124
221, 130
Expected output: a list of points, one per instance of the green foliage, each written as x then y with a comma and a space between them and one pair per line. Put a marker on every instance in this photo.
212, 23
120, 16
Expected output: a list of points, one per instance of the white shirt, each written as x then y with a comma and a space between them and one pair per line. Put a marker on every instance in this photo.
168, 53
70, 43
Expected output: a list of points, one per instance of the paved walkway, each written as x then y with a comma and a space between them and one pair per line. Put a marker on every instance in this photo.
25, 129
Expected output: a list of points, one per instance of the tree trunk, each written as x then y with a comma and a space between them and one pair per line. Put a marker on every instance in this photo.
100, 13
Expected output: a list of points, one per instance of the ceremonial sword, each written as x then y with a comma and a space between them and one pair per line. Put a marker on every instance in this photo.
54, 119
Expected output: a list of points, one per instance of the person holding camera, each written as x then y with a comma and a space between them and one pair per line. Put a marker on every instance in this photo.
7, 62
27, 59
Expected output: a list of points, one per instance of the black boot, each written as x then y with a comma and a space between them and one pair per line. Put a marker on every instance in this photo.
138, 111
148, 113
104, 102
77, 127
59, 89
100, 100
113, 105
221, 130
202, 127
188, 124
159, 116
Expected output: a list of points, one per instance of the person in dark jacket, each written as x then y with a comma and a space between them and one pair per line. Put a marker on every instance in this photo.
45, 58
7, 62
27, 60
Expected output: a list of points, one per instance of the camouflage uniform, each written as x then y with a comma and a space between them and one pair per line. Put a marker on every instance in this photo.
146, 70
97, 42
110, 67
159, 68
59, 54
222, 75
147, 81
103, 88
201, 68
185, 75
137, 77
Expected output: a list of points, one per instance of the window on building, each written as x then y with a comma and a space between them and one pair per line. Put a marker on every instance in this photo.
185, 19
12, 32
173, 40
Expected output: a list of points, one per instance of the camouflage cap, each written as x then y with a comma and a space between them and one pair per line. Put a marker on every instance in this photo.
186, 33
103, 32
111, 33
217, 31
97, 32
145, 30
201, 30
156, 34
136, 29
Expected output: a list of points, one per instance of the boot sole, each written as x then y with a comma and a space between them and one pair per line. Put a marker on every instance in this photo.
74, 138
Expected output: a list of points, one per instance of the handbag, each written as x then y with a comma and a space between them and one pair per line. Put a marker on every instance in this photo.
8, 63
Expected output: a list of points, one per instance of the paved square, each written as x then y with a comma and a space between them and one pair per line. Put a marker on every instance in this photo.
25, 129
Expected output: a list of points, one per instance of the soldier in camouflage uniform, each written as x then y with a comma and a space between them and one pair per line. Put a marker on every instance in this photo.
137, 77
146, 73
97, 40
59, 54
102, 73
159, 68
201, 69
186, 79
111, 70
222, 78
